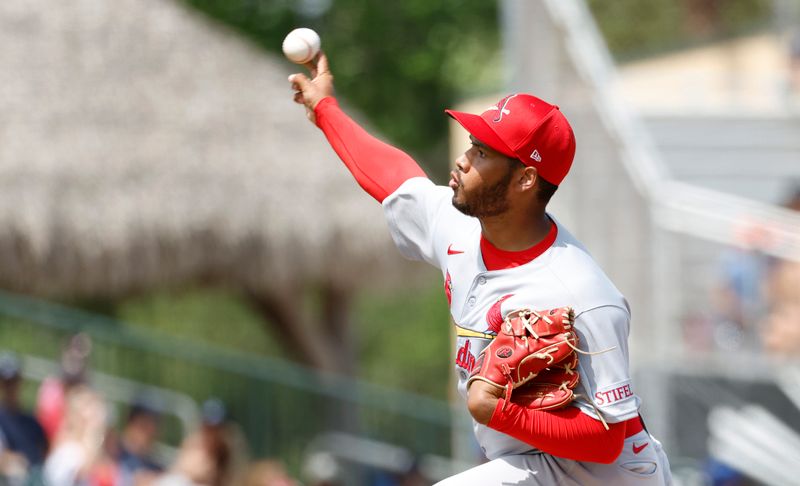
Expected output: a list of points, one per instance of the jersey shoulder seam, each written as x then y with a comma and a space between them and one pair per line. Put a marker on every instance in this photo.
600, 306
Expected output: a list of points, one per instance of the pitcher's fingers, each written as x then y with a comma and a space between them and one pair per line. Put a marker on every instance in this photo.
322, 63
298, 98
312, 67
299, 81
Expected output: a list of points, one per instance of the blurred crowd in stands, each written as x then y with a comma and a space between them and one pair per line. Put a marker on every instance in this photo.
71, 437
756, 303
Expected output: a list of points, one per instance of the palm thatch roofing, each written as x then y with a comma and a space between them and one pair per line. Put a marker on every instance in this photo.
141, 145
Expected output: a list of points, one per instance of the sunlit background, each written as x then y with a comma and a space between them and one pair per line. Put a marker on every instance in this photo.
194, 288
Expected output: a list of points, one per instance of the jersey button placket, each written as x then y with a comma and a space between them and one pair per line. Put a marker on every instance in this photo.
471, 301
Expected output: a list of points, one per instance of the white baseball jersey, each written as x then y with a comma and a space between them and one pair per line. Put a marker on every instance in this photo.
425, 226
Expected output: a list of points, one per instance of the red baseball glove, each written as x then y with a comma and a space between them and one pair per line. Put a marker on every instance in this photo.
535, 349
552, 387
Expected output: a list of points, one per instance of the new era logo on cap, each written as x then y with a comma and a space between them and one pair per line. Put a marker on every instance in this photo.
526, 128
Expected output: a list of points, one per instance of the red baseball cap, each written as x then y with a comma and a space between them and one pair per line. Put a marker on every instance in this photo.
522, 126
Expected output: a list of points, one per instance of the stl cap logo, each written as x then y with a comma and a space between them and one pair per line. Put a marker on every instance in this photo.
501, 107
535, 156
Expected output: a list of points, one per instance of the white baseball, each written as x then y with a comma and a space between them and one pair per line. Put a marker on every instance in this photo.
301, 45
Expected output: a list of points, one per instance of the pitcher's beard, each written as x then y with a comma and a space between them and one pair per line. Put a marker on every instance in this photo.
486, 201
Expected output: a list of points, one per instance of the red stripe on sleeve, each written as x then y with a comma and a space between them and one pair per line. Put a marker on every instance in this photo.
378, 167
567, 433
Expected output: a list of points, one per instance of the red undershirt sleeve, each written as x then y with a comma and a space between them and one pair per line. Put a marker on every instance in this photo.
567, 433
378, 167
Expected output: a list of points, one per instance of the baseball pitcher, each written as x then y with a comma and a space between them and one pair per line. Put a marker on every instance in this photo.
542, 333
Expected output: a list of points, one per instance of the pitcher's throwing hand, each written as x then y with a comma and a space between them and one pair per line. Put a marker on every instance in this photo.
310, 92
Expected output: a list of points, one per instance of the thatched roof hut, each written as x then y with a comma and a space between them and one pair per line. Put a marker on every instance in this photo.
141, 145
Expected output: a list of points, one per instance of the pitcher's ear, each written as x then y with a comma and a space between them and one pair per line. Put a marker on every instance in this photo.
528, 178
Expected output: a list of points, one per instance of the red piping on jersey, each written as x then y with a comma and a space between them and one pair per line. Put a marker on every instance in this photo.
567, 433
378, 167
496, 259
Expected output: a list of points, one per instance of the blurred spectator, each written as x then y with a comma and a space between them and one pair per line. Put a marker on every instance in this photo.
782, 326
213, 432
78, 446
194, 465
209, 455
322, 469
135, 460
267, 473
720, 474
216, 423
739, 301
414, 477
200, 461
754, 286
22, 440
51, 400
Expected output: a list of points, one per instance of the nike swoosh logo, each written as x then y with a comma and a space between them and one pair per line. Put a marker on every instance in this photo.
638, 449
451, 251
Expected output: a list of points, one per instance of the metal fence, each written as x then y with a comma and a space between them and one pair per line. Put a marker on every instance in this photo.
281, 407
